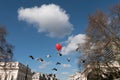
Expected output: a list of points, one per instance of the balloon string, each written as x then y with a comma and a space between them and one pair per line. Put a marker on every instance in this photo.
58, 52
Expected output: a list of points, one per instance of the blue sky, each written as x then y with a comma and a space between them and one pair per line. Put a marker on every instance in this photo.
35, 26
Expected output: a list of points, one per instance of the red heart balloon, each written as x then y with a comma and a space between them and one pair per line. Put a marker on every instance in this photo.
58, 46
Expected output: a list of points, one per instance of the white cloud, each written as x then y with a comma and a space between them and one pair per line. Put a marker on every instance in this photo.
72, 43
50, 19
44, 64
66, 65
64, 73
75, 70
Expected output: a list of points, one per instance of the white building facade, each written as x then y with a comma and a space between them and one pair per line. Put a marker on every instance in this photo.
77, 76
14, 71
41, 76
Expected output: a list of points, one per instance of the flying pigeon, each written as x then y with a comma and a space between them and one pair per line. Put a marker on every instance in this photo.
54, 69
68, 59
78, 49
40, 59
48, 55
59, 54
58, 63
31, 57
83, 61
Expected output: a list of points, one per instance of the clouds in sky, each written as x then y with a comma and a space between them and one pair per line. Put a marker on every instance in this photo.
44, 64
72, 43
64, 73
75, 70
51, 19
66, 65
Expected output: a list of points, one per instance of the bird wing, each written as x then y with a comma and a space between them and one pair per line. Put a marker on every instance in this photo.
39, 59
54, 69
31, 57
68, 59
58, 63
48, 55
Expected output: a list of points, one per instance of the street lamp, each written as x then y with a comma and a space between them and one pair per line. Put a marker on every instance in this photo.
26, 73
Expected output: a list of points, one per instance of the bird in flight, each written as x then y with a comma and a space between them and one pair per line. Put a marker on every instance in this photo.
77, 49
68, 59
59, 54
54, 69
58, 63
40, 59
48, 56
31, 57
83, 60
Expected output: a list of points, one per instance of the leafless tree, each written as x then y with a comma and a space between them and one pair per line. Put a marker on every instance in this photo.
6, 50
102, 46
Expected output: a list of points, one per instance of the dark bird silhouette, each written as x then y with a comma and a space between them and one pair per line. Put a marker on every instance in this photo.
40, 59
78, 49
59, 54
82, 60
48, 56
54, 69
31, 57
58, 63
68, 59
